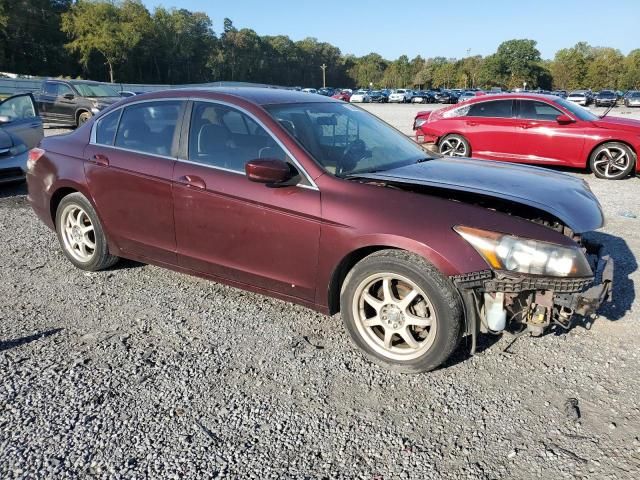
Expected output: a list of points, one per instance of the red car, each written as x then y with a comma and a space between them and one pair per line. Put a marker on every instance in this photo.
320, 203
344, 95
536, 129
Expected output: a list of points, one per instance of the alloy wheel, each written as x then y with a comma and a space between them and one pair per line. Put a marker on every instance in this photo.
453, 147
394, 316
78, 233
611, 161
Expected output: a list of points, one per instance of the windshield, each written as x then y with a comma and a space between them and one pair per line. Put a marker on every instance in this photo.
577, 110
95, 90
344, 139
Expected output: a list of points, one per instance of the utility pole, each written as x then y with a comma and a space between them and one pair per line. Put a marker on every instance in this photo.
324, 75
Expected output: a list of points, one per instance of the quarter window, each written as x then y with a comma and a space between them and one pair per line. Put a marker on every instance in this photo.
533, 110
149, 127
496, 109
106, 128
224, 137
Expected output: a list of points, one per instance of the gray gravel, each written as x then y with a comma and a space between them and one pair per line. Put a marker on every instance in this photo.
142, 372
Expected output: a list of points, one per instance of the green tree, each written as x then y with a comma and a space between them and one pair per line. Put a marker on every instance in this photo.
630, 78
518, 61
605, 69
569, 67
111, 29
368, 69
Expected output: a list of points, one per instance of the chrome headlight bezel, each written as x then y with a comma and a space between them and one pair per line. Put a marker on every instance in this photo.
526, 256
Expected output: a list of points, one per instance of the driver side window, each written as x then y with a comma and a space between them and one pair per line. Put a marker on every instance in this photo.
64, 89
223, 137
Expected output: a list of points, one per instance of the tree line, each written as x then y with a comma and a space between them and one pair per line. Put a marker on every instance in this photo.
122, 41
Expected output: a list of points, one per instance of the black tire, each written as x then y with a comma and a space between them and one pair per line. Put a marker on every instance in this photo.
616, 172
101, 258
83, 117
454, 137
441, 293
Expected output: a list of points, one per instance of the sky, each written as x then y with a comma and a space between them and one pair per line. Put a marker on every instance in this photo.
431, 28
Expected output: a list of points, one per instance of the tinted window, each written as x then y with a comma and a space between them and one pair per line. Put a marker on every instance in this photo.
224, 137
537, 110
497, 108
149, 127
18, 108
64, 89
51, 88
106, 128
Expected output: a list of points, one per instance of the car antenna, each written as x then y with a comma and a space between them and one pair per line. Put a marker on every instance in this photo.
606, 112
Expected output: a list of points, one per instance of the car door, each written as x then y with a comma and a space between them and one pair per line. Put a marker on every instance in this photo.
229, 227
46, 100
64, 105
542, 139
490, 128
129, 167
21, 119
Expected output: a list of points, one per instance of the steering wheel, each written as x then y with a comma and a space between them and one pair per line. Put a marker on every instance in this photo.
353, 153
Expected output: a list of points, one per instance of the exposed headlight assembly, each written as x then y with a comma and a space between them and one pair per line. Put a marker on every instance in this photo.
523, 255
419, 122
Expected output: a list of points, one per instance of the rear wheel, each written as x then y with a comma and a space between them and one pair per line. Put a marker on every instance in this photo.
81, 235
454, 145
612, 161
401, 312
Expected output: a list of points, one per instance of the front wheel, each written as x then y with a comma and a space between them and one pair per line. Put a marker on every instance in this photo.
454, 145
612, 161
83, 118
401, 312
81, 235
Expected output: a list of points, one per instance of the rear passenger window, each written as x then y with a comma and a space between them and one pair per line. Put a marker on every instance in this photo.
224, 137
496, 109
149, 127
106, 128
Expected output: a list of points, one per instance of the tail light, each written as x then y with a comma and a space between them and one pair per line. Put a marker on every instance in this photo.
34, 156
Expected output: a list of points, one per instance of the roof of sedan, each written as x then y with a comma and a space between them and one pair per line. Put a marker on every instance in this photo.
265, 96
513, 96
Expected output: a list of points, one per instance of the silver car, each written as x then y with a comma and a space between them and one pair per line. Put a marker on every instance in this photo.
20, 131
632, 99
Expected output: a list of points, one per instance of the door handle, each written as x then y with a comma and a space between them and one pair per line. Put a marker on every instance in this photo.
35, 125
471, 124
528, 125
99, 159
193, 181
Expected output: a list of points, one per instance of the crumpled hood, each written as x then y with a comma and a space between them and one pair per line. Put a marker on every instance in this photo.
562, 195
5, 140
618, 123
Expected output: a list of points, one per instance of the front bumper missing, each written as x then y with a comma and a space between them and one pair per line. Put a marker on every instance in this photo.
536, 302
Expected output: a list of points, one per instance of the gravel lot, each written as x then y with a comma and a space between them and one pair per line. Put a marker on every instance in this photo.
142, 372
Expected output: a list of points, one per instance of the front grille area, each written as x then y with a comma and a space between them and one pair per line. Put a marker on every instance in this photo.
514, 283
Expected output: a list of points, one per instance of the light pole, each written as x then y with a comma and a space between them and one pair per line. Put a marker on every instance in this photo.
324, 75
524, 84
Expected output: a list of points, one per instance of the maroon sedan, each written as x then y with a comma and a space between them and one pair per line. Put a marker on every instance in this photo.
318, 202
536, 129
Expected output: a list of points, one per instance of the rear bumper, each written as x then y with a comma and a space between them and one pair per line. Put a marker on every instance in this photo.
13, 169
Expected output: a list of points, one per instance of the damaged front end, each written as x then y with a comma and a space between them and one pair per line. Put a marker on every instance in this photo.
499, 300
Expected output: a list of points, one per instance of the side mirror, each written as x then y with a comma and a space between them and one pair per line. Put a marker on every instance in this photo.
272, 172
564, 119
68, 96
4, 119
